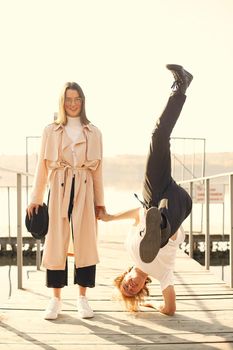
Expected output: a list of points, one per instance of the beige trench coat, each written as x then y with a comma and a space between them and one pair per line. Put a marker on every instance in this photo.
56, 167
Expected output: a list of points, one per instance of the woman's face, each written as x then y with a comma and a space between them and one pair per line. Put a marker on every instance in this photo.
72, 103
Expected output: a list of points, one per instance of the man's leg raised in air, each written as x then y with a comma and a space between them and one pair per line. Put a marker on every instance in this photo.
158, 165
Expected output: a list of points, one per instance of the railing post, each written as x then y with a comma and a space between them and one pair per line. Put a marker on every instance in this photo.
9, 211
38, 255
191, 223
19, 231
26, 170
207, 233
231, 229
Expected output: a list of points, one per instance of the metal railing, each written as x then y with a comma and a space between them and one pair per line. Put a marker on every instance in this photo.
206, 181
191, 185
19, 186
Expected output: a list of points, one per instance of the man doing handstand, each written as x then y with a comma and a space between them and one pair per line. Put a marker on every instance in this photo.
157, 231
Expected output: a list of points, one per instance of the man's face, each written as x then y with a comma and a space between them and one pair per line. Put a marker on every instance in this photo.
132, 283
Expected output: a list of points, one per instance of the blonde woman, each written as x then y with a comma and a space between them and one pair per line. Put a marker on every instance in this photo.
157, 231
70, 161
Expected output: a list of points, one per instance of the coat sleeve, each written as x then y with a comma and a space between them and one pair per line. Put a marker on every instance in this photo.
97, 175
41, 174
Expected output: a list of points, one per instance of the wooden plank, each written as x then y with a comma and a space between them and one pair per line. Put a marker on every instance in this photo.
109, 306
13, 335
143, 325
198, 346
149, 320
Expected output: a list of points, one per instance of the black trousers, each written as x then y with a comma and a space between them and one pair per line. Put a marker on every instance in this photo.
158, 182
83, 276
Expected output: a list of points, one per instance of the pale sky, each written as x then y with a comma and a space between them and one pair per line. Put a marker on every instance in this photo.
117, 51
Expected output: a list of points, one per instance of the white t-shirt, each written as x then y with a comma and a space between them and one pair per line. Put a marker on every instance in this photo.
162, 267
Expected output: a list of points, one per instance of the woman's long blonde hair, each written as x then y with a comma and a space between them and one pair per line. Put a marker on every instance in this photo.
131, 302
61, 117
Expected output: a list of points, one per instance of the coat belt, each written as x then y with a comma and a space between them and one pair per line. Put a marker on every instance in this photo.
69, 172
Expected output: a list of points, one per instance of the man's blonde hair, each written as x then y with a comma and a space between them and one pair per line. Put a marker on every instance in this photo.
131, 302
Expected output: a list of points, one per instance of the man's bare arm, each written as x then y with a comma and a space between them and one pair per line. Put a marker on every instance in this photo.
129, 214
169, 305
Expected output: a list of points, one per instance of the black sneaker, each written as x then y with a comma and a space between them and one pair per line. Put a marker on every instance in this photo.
150, 244
182, 78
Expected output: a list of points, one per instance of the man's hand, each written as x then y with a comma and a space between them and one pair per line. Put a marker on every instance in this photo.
107, 217
162, 308
169, 305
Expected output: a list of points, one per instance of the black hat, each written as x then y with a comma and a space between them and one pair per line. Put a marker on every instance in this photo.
38, 223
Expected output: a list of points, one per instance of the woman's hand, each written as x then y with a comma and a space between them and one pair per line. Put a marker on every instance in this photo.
33, 207
100, 211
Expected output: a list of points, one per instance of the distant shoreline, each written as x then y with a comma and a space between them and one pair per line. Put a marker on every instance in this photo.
127, 171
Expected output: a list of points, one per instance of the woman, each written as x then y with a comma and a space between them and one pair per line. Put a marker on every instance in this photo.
71, 161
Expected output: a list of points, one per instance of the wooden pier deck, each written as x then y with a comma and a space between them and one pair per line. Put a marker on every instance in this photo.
204, 317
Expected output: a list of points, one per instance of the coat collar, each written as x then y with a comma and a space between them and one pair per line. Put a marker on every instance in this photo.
61, 127
66, 141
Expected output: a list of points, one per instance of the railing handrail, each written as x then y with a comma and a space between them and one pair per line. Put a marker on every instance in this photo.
205, 178
16, 171
206, 181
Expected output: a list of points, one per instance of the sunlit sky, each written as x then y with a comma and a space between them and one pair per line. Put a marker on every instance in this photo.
117, 51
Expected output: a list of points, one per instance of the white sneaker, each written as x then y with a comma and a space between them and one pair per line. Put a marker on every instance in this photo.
84, 309
53, 309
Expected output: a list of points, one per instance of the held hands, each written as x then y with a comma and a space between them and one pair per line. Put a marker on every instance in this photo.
129, 214
100, 212
107, 217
